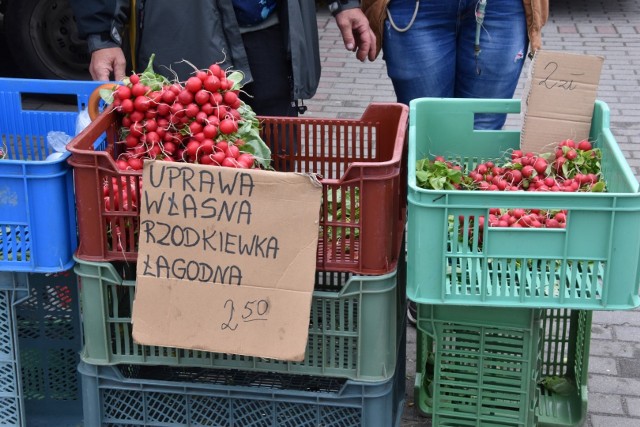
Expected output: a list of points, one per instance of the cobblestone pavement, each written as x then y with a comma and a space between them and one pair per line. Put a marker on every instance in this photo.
607, 28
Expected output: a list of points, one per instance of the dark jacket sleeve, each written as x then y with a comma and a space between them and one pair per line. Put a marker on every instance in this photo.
346, 4
101, 21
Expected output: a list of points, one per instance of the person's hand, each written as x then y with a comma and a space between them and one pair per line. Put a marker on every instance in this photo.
107, 62
357, 34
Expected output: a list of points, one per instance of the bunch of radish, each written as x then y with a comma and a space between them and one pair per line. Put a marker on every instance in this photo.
201, 120
571, 167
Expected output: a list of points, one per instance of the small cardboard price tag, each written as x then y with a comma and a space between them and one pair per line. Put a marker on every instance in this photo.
226, 259
559, 99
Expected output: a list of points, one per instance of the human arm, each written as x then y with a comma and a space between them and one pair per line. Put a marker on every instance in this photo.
101, 23
354, 27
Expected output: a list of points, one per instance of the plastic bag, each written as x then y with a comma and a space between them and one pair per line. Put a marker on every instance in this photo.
82, 121
58, 141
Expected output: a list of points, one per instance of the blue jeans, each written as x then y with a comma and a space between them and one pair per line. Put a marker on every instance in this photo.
435, 56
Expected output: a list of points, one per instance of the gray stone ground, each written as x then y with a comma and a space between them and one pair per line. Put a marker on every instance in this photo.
607, 28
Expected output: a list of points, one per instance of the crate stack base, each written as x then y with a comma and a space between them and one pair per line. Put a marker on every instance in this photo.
159, 395
479, 366
41, 340
348, 377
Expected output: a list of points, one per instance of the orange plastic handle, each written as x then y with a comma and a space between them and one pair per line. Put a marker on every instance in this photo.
93, 105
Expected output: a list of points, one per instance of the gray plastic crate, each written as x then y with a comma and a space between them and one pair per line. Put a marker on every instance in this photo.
40, 341
144, 395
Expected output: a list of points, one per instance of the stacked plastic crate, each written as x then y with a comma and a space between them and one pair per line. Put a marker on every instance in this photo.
40, 336
504, 314
353, 371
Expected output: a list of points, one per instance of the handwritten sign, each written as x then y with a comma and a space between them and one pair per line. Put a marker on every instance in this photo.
559, 99
226, 259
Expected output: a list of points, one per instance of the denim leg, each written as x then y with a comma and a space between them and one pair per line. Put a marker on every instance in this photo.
435, 56
421, 61
503, 51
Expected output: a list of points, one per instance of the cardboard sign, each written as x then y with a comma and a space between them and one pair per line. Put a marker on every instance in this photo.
226, 259
559, 99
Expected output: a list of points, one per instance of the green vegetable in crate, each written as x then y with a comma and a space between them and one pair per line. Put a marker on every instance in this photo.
439, 174
558, 385
343, 205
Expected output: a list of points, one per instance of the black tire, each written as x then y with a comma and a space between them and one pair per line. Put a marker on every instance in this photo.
43, 40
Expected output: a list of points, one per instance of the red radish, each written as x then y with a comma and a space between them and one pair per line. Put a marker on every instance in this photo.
135, 163
571, 154
193, 84
168, 96
206, 146
202, 75
185, 97
124, 92
212, 83
527, 171
201, 97
230, 98
218, 156
228, 126
210, 131
216, 70
134, 79
126, 106
138, 89
246, 159
540, 165
232, 151
584, 145
230, 162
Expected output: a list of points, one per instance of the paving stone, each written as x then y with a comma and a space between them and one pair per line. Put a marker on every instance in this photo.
606, 403
605, 421
633, 406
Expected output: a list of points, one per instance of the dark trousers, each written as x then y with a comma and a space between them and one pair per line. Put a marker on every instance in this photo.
270, 93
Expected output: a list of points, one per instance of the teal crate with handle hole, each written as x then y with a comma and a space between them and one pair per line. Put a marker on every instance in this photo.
593, 263
37, 202
355, 326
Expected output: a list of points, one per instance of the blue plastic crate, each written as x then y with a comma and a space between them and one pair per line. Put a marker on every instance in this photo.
37, 205
40, 340
142, 395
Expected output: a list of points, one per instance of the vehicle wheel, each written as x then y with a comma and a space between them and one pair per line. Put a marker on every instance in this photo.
43, 39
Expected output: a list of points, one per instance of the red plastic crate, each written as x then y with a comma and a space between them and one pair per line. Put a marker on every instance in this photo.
361, 163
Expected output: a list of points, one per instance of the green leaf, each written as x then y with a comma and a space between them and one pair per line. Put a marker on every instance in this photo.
558, 385
249, 132
598, 187
236, 77
107, 94
150, 78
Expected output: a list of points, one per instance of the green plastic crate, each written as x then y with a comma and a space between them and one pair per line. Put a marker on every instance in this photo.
356, 324
562, 354
477, 366
592, 264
